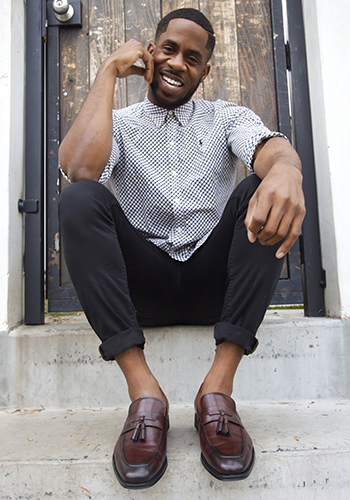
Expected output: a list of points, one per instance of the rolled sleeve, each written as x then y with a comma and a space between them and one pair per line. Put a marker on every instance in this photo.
113, 159
245, 131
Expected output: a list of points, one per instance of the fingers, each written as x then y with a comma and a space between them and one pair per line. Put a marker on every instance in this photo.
273, 219
147, 73
123, 61
251, 236
276, 226
288, 230
136, 70
149, 65
257, 215
292, 236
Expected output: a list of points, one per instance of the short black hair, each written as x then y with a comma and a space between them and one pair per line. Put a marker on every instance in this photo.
192, 15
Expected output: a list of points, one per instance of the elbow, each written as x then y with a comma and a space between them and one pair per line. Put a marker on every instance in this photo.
78, 170
76, 174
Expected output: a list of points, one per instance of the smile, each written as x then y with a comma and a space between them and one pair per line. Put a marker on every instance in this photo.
171, 82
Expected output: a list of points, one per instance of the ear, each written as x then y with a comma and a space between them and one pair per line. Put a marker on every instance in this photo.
205, 73
151, 47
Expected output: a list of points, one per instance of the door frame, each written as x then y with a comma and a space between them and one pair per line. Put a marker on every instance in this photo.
33, 205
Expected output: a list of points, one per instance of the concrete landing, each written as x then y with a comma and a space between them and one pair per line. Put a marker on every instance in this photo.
302, 452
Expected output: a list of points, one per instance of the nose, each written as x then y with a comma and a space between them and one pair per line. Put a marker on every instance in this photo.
177, 62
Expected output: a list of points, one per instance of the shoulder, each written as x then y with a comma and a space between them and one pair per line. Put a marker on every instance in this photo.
225, 114
126, 121
236, 115
220, 108
131, 112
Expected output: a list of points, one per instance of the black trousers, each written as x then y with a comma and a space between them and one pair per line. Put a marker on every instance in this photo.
124, 282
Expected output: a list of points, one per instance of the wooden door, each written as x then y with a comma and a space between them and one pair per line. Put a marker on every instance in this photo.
242, 71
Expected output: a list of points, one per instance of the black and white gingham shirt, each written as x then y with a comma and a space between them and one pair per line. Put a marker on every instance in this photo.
173, 171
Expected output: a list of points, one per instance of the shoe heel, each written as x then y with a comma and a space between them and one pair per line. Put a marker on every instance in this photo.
196, 421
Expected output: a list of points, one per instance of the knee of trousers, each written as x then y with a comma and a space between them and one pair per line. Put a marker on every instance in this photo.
79, 201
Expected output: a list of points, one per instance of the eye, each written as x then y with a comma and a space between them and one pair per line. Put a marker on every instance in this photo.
168, 49
192, 60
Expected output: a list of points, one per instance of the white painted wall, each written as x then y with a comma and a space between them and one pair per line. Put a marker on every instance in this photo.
328, 41
11, 161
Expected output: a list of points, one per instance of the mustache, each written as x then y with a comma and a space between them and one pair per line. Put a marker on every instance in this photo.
170, 73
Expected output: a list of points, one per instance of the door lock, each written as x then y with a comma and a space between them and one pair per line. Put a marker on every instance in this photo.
64, 13
63, 10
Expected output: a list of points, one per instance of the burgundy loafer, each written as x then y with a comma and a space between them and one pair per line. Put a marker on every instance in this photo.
139, 458
227, 449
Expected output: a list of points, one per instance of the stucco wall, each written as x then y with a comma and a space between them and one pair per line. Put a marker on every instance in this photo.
328, 40
11, 161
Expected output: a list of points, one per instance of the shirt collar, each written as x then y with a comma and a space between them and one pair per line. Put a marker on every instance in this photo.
158, 114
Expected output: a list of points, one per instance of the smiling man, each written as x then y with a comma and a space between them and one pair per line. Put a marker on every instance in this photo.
176, 243
174, 84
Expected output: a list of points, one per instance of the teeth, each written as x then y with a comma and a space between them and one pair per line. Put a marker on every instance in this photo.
171, 82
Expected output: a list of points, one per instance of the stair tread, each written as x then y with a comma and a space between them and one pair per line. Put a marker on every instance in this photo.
67, 453
40, 434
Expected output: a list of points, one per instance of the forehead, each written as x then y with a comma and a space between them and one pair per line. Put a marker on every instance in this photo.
185, 32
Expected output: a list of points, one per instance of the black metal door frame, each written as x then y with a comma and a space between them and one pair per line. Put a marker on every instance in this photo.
33, 204
312, 273
314, 278
290, 290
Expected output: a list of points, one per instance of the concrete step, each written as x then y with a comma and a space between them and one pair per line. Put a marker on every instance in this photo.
302, 452
57, 365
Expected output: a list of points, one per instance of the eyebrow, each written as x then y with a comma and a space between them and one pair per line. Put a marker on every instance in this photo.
176, 45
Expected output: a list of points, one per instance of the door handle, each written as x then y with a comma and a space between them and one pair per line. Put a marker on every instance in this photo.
63, 10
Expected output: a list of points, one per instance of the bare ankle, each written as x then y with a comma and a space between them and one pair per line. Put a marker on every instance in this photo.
216, 386
140, 380
221, 374
146, 386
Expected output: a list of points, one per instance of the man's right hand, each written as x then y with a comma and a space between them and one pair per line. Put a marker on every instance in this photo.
123, 61
85, 150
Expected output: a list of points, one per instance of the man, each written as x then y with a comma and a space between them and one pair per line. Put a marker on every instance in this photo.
176, 244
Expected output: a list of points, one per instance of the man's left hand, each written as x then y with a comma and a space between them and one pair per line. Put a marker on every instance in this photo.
277, 208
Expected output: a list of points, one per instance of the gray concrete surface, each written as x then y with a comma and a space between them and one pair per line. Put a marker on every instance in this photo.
57, 365
302, 452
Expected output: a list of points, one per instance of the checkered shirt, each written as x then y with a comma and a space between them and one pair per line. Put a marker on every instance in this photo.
172, 171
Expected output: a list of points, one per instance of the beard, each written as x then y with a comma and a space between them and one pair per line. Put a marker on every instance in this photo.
168, 103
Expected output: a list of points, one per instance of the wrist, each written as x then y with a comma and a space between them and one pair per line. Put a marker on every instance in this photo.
108, 69
290, 168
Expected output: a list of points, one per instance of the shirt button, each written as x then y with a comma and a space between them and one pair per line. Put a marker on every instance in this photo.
171, 112
172, 143
179, 229
177, 200
174, 173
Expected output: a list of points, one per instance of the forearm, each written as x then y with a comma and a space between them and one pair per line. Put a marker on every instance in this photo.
85, 150
276, 152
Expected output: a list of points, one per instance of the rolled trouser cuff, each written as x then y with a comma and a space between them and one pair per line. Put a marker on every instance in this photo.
121, 342
225, 332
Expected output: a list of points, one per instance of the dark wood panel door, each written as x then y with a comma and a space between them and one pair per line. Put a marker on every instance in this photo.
243, 71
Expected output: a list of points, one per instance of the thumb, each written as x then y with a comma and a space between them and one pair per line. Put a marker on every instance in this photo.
251, 236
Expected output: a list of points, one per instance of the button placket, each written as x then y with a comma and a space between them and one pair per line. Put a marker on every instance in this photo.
173, 163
